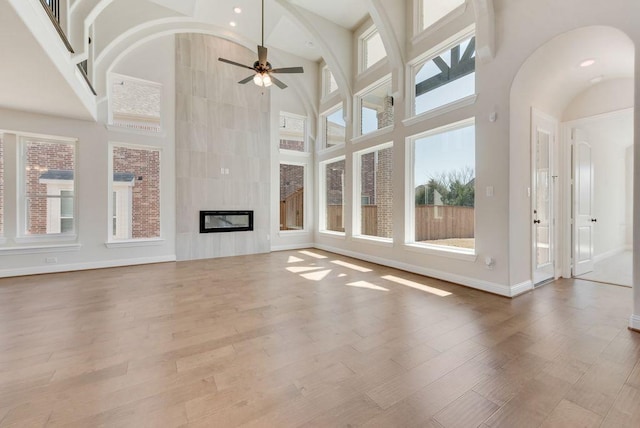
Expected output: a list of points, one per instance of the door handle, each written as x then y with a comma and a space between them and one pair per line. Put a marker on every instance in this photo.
536, 221
594, 220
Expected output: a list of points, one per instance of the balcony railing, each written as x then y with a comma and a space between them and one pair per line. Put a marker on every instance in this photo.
53, 10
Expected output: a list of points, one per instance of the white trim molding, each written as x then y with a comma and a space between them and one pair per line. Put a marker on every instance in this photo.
490, 287
36, 270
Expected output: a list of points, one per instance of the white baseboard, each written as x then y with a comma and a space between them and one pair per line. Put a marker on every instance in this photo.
608, 254
490, 287
36, 270
292, 247
634, 323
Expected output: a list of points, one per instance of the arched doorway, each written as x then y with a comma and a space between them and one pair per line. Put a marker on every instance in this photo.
579, 185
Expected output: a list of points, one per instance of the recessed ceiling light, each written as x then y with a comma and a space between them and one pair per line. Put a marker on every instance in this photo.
596, 79
233, 23
237, 10
587, 63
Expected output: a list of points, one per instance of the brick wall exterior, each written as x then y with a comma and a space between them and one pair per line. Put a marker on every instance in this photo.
41, 157
298, 146
384, 189
291, 180
145, 165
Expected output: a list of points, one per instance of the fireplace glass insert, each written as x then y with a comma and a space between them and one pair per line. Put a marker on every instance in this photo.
225, 221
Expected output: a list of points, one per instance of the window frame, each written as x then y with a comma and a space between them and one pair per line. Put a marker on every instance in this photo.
357, 194
363, 38
305, 199
420, 31
21, 236
323, 127
327, 77
419, 61
322, 196
305, 132
357, 129
410, 224
110, 110
131, 242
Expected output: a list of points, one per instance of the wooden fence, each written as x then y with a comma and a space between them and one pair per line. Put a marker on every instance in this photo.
292, 211
432, 222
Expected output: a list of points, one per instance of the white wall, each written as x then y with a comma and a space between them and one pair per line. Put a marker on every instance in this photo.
154, 62
607, 96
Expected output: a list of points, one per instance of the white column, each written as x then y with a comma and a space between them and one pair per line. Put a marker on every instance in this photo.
634, 322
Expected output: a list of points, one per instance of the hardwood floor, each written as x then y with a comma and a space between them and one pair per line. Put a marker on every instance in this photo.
309, 338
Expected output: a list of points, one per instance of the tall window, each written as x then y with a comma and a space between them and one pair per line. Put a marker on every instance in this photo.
1, 186
291, 197
48, 170
431, 11
135, 103
375, 108
135, 197
372, 49
444, 186
292, 132
334, 128
329, 84
374, 191
334, 195
445, 78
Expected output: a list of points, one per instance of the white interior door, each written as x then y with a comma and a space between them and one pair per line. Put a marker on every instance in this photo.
583, 219
544, 131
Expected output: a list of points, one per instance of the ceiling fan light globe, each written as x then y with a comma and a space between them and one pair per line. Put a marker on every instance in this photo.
266, 80
257, 79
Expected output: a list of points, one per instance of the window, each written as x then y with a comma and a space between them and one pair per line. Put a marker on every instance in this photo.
329, 84
334, 128
291, 197
135, 103
371, 48
292, 132
444, 187
333, 195
375, 192
431, 11
375, 108
135, 193
445, 78
48, 183
1, 185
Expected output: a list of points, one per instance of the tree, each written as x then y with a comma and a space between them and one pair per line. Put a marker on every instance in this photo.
455, 187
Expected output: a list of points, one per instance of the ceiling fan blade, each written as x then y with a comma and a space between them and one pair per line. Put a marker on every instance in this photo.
288, 70
278, 83
237, 64
247, 80
262, 56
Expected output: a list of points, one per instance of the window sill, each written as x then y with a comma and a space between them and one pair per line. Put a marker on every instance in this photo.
332, 234
56, 248
331, 149
134, 243
375, 240
296, 153
441, 251
53, 239
378, 132
115, 128
463, 102
299, 232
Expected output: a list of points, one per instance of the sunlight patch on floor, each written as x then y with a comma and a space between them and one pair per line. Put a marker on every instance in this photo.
294, 259
312, 254
365, 284
300, 269
416, 285
316, 276
351, 266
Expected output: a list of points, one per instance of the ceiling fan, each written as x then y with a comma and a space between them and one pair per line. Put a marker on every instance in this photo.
262, 67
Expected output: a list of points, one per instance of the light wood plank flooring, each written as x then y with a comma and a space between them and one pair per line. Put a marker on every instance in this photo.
309, 338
